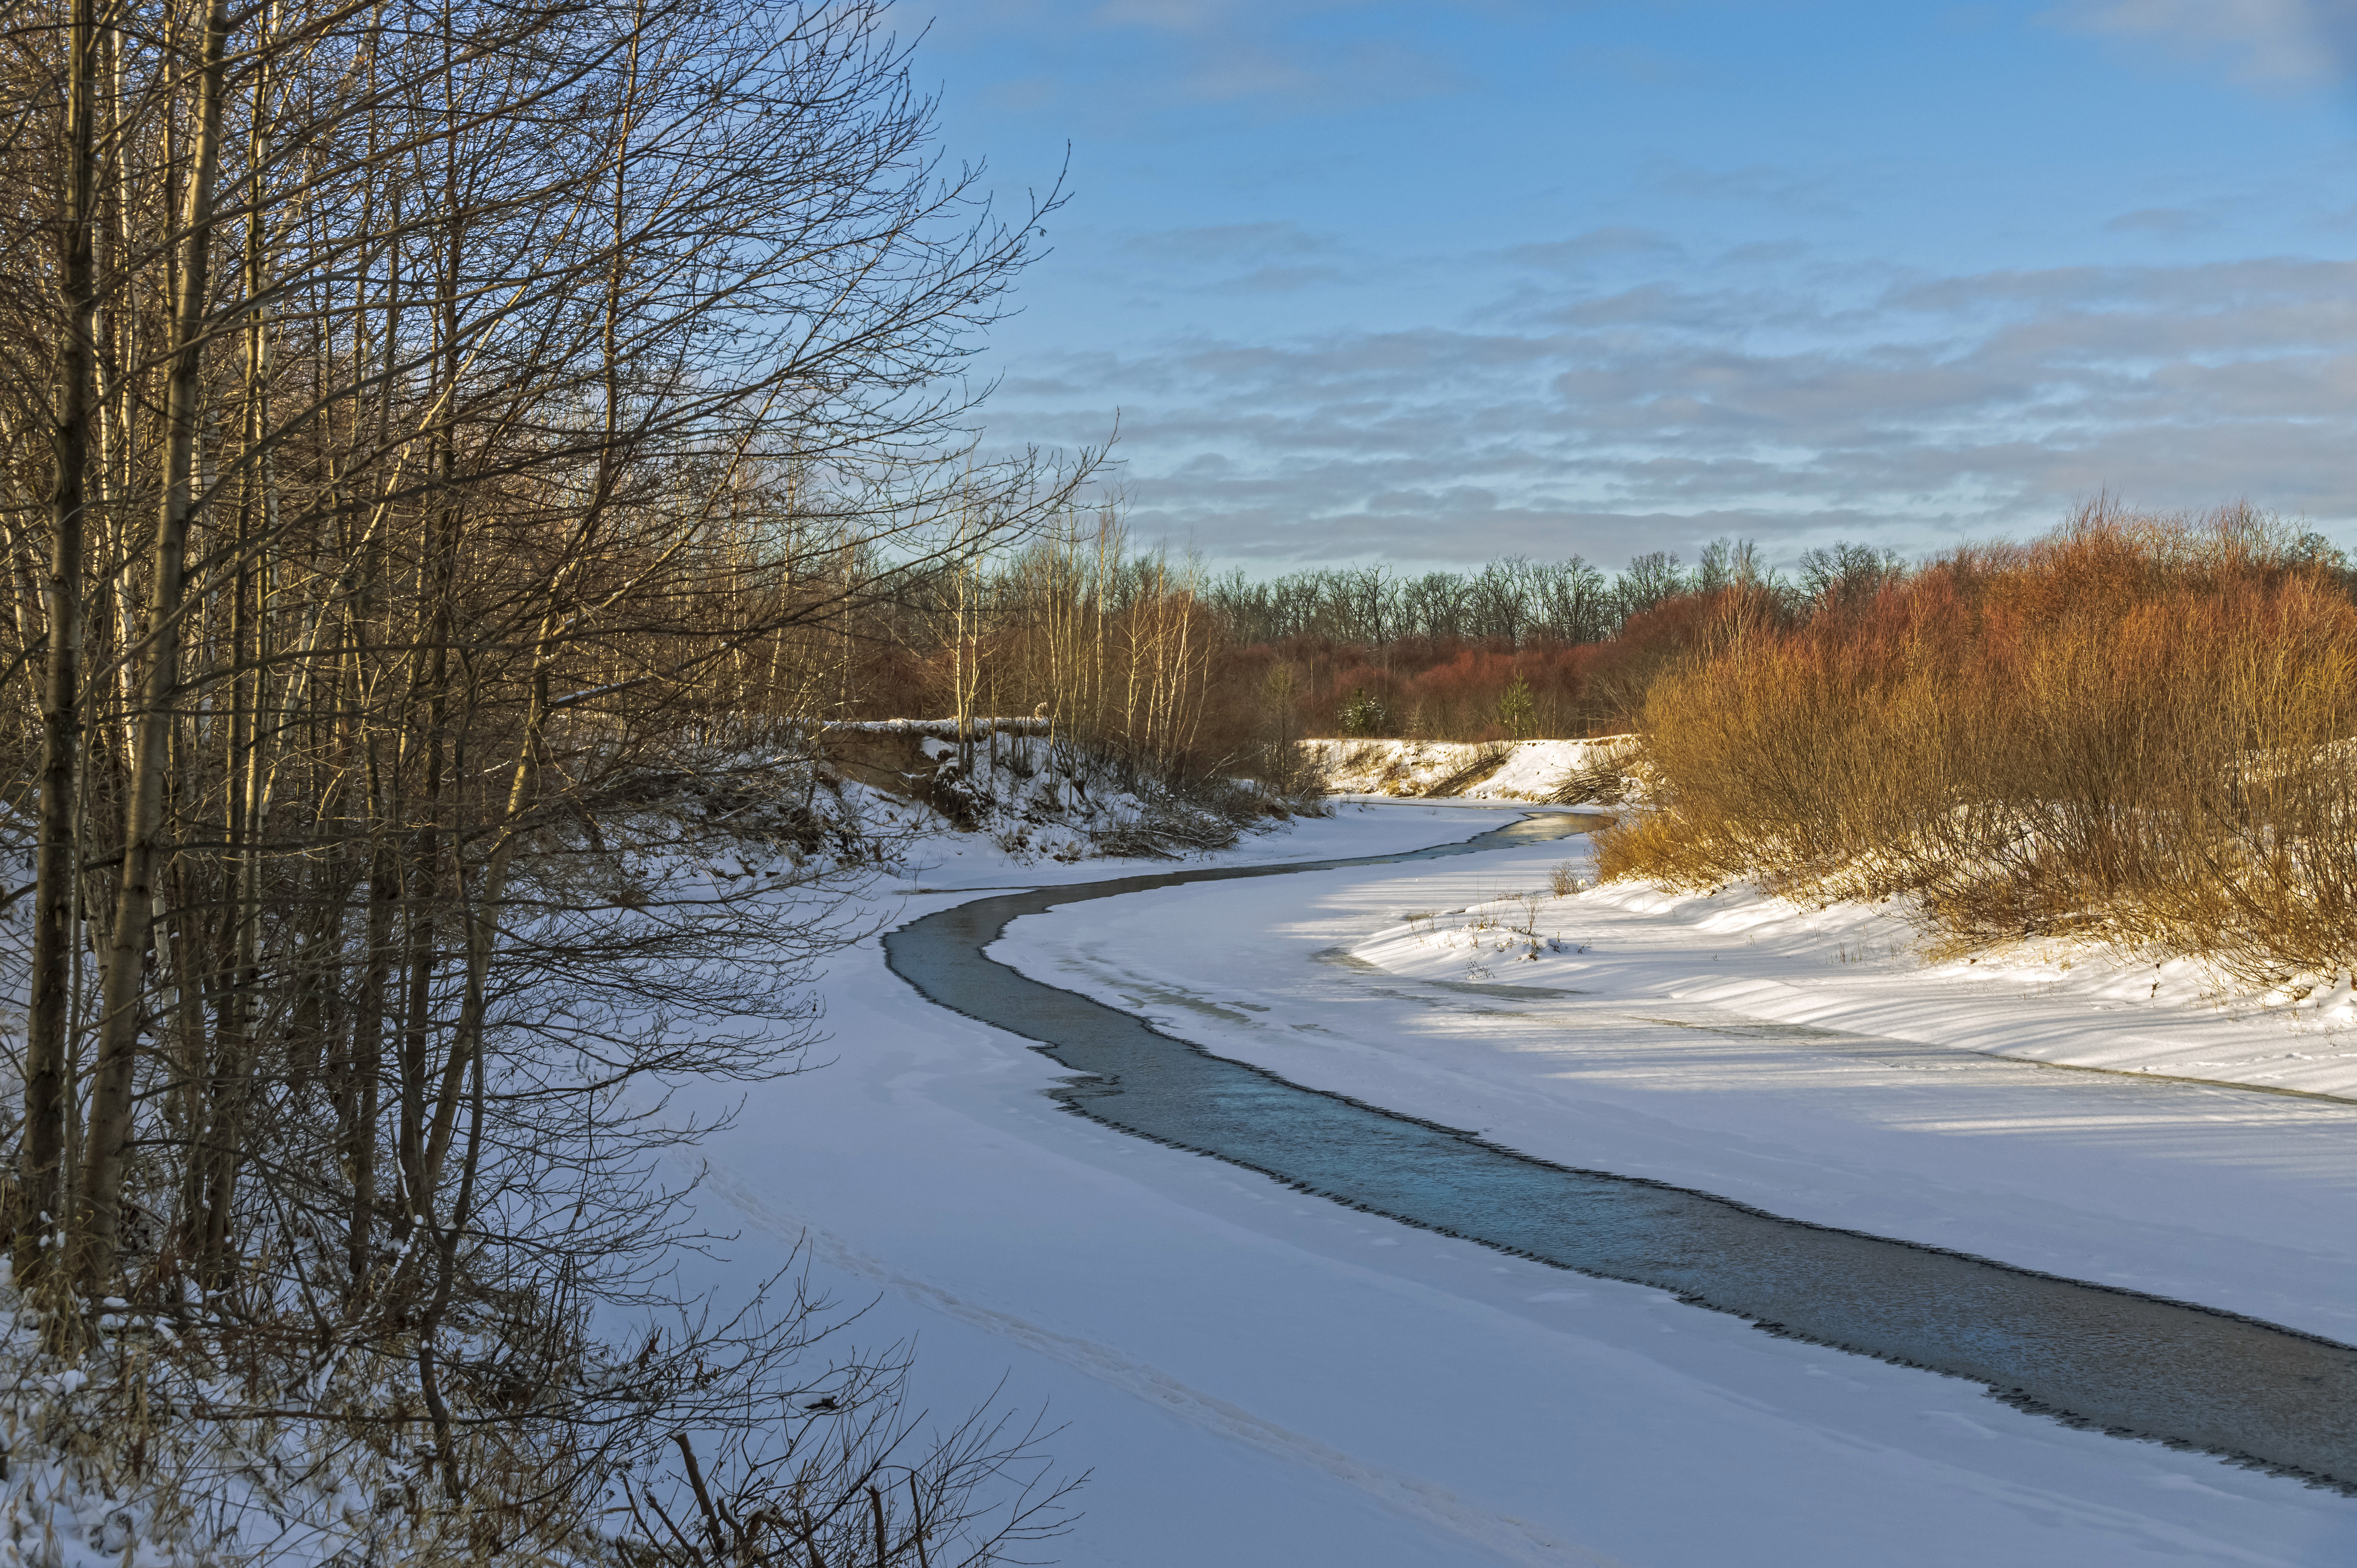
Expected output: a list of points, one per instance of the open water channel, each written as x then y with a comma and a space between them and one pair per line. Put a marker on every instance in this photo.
2134, 1365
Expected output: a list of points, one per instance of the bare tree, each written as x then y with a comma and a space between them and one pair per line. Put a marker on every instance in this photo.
426, 418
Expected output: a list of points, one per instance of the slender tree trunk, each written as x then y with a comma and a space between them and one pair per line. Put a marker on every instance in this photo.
466, 1054
107, 1144
368, 1028
46, 1086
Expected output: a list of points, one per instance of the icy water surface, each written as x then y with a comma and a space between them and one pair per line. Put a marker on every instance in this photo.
2131, 1364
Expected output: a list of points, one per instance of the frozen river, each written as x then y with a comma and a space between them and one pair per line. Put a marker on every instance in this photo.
2129, 1363
1258, 1374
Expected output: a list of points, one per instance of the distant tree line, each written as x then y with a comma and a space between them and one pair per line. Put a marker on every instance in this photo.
1146, 663
1520, 600
1150, 668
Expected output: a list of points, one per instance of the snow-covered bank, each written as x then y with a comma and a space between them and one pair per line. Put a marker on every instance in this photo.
950, 862
1256, 1376
1855, 968
151, 1450
1495, 770
1022, 799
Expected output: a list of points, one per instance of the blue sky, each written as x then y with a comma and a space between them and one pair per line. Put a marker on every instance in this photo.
1429, 283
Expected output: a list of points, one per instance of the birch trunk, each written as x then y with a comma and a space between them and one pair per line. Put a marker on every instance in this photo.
46, 1086
107, 1142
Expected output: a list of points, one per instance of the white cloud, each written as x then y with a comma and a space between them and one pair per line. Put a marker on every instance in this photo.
1614, 421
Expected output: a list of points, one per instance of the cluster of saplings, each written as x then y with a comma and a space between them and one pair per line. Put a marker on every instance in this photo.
445, 449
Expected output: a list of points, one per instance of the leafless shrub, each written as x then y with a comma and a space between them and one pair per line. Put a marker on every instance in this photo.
2138, 730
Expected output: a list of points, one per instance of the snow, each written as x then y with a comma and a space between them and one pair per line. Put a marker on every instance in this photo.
1854, 968
949, 861
242, 1490
1257, 1376
1028, 799
1529, 770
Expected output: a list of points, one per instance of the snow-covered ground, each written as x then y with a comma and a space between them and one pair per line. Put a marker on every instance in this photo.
1854, 968
1259, 1377
1498, 770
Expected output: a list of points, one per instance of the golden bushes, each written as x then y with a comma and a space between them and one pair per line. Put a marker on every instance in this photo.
2137, 728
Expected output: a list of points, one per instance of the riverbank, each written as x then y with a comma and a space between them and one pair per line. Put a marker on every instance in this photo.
1557, 771
1862, 971
1352, 1390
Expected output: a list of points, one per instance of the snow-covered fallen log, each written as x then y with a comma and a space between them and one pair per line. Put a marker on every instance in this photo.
942, 729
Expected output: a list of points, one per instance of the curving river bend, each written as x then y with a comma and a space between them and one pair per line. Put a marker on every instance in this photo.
2134, 1365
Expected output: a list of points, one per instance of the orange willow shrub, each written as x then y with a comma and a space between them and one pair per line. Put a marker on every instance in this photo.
2137, 729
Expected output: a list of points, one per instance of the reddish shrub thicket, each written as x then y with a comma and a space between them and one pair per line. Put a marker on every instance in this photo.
1451, 688
1087, 629
2138, 727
